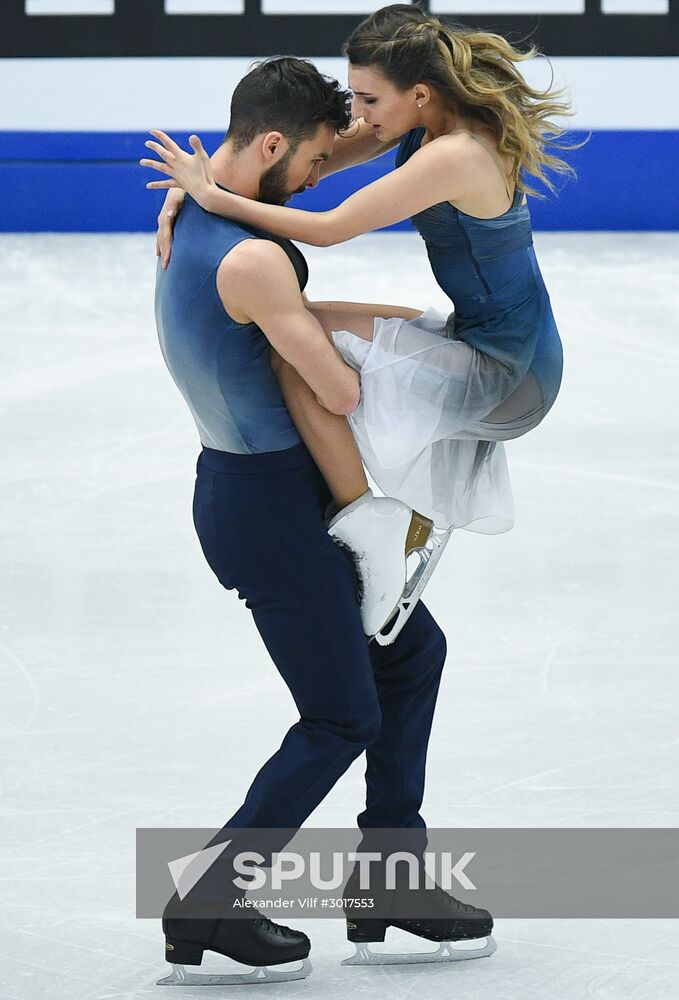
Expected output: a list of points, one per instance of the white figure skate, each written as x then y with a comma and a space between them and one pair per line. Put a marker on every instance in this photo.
382, 533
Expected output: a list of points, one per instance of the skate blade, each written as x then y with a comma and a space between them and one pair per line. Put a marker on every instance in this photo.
429, 557
261, 974
446, 952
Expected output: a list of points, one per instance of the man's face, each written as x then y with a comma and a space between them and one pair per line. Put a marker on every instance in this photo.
295, 172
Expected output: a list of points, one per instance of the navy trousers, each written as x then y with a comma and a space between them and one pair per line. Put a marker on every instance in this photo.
259, 519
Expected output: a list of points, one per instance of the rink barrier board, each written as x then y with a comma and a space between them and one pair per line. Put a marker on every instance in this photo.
92, 182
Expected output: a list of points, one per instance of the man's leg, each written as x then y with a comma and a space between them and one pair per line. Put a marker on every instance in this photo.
407, 674
259, 521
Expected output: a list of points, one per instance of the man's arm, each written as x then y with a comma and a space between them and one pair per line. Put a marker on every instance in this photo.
257, 283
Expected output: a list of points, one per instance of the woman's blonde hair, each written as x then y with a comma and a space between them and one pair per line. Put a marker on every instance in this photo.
475, 71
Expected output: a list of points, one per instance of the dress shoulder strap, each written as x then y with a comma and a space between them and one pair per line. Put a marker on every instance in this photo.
407, 146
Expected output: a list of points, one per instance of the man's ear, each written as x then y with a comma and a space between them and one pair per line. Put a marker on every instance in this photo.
274, 146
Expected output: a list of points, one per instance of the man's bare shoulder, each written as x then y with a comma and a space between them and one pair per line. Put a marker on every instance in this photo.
256, 277
253, 259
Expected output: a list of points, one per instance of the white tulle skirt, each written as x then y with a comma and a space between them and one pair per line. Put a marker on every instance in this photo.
418, 428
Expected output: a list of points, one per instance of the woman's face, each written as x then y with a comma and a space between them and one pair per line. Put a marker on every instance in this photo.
391, 112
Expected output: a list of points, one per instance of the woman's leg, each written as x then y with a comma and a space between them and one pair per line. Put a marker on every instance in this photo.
357, 317
327, 435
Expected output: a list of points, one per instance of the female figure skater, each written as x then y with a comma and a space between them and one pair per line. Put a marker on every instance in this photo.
439, 394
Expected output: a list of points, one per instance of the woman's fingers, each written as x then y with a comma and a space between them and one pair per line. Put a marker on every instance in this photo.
169, 143
161, 151
180, 167
197, 145
164, 168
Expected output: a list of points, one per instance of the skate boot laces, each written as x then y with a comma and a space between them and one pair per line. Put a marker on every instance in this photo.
358, 583
280, 929
456, 904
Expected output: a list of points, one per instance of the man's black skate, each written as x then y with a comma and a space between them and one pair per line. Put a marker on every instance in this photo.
440, 917
454, 921
254, 941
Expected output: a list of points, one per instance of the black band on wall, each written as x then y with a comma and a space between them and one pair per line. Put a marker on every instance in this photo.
141, 28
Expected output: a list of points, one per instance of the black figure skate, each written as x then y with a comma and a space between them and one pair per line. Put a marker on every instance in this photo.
254, 941
450, 922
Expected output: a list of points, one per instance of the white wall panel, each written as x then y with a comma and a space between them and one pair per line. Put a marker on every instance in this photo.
43, 8
204, 6
132, 94
635, 6
507, 6
319, 6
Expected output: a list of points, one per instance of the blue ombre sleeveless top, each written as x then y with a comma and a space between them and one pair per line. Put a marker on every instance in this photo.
488, 269
221, 367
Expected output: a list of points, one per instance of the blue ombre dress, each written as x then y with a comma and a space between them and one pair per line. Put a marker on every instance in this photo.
441, 393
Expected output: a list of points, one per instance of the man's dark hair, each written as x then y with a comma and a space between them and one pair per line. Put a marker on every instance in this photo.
286, 95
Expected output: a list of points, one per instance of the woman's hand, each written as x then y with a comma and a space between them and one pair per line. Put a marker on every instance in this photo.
190, 172
172, 206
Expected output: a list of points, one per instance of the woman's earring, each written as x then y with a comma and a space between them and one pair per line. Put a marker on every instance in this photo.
419, 105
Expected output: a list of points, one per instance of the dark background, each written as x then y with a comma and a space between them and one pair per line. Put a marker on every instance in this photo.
141, 28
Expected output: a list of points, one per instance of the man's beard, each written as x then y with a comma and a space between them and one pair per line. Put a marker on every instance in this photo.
273, 185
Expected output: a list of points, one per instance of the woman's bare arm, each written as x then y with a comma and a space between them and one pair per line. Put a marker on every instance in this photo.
357, 145
445, 169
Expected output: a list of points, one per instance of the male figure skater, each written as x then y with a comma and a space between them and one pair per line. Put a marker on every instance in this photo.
228, 294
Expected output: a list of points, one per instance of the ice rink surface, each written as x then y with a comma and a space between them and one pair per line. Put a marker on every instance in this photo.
136, 692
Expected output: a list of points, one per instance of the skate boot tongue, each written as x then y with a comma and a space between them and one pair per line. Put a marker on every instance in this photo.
334, 509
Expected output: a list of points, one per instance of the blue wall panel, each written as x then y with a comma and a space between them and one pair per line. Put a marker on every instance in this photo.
89, 182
